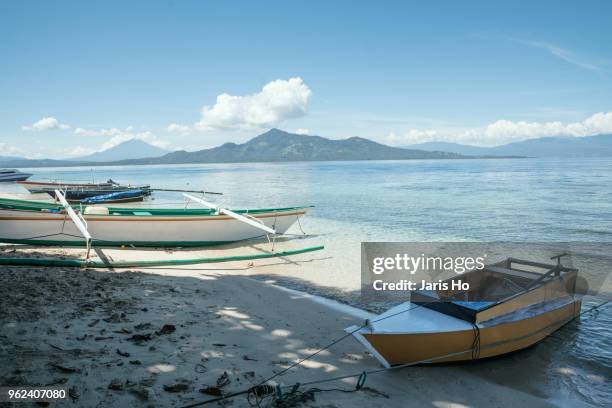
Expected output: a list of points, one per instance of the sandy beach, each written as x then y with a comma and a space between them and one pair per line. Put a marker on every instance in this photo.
174, 336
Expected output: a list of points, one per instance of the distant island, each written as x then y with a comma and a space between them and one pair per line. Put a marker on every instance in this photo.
558, 146
279, 146
272, 146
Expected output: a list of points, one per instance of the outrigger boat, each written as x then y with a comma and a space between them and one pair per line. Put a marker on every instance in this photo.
84, 195
44, 223
77, 192
508, 307
129, 196
46, 186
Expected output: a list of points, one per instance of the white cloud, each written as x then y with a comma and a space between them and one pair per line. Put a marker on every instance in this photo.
278, 100
180, 129
6, 150
561, 53
564, 54
46, 123
301, 131
412, 136
86, 132
506, 131
79, 151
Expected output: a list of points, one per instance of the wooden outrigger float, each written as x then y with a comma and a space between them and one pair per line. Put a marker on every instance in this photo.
507, 308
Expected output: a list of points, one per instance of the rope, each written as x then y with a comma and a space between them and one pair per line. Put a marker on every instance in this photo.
594, 307
333, 343
61, 233
256, 395
476, 343
300, 224
64, 223
299, 362
261, 387
47, 236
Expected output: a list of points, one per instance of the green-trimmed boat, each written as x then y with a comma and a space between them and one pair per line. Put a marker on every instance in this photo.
45, 223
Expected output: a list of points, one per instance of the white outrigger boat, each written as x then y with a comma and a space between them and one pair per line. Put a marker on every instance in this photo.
51, 186
45, 223
507, 308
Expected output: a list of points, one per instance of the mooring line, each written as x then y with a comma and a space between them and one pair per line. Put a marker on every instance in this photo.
362, 374
348, 334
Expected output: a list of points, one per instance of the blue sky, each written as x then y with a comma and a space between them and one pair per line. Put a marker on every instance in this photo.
81, 76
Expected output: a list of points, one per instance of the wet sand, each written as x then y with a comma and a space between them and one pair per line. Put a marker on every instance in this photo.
158, 337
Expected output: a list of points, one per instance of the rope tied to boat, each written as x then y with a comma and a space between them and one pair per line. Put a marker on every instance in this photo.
261, 387
297, 217
361, 377
256, 395
476, 342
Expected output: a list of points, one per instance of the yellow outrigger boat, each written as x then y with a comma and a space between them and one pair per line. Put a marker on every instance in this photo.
509, 306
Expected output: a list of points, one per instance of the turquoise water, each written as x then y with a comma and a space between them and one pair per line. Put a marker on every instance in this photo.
513, 199
437, 200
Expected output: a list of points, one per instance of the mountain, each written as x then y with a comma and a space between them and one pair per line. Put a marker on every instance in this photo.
131, 149
273, 146
588, 146
278, 146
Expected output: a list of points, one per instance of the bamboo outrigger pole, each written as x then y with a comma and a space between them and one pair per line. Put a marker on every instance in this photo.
185, 191
78, 220
232, 214
171, 189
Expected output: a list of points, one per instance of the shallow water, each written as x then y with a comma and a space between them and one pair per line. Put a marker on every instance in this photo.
437, 200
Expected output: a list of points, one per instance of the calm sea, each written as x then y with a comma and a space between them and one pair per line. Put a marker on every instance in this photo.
437, 200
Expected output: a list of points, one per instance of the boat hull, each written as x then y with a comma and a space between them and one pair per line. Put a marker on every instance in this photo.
139, 229
459, 345
37, 185
133, 199
76, 195
14, 177
85, 189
